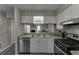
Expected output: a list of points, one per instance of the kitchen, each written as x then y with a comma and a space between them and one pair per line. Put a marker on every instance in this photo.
39, 33
39, 29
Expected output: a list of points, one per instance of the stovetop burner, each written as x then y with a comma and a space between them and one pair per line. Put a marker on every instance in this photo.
69, 43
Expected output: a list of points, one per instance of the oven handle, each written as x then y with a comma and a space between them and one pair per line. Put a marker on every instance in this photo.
60, 50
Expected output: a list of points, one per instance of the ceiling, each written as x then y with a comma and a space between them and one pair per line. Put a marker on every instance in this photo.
39, 7
32, 7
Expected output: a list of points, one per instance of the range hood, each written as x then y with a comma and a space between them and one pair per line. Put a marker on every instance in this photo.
73, 21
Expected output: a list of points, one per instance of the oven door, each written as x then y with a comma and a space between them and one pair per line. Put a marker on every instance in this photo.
58, 51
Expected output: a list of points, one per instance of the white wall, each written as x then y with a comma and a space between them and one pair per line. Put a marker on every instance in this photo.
17, 26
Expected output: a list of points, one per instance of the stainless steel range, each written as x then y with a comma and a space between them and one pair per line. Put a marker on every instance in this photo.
64, 46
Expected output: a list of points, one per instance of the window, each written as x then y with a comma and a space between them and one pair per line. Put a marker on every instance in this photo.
27, 28
38, 28
38, 19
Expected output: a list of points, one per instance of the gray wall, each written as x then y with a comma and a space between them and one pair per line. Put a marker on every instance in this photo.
5, 38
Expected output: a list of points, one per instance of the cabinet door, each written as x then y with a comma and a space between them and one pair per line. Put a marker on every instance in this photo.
26, 19
49, 19
60, 17
75, 10
43, 45
67, 13
51, 45
33, 45
64, 16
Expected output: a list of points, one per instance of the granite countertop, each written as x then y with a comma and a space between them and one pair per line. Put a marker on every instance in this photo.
40, 35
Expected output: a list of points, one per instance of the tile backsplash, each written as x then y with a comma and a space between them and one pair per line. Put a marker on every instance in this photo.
74, 30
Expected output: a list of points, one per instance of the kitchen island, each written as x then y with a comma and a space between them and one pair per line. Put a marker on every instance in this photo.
36, 43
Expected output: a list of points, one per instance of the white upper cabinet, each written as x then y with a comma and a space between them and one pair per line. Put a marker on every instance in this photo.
75, 10
49, 19
64, 16
26, 19
60, 17
67, 13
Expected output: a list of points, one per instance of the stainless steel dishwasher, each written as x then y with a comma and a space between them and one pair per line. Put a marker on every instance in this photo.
24, 45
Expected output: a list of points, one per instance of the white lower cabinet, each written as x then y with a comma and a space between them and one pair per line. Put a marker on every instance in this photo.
51, 45
33, 45
41, 45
